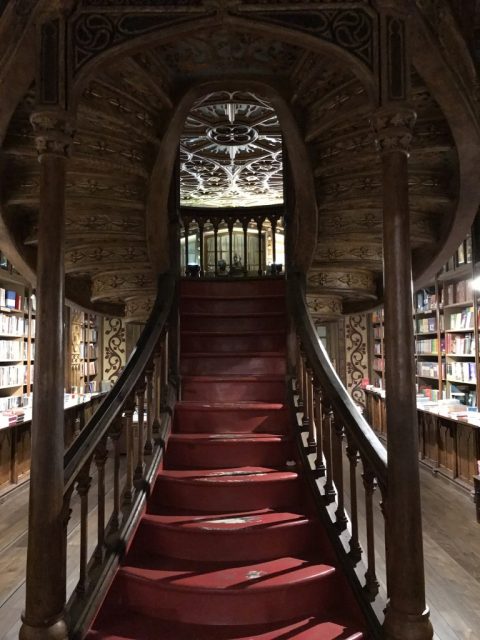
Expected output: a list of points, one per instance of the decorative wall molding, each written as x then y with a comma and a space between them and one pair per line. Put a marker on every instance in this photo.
356, 351
114, 348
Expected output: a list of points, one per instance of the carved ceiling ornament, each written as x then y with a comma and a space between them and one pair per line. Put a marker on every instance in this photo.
138, 308
120, 284
355, 283
231, 152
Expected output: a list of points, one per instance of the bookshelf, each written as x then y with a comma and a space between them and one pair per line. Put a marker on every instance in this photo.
84, 375
446, 332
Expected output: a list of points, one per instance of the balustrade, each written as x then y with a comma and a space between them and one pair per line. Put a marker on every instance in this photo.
339, 437
240, 243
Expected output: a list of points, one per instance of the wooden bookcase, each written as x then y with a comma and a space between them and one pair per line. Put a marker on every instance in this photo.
84, 373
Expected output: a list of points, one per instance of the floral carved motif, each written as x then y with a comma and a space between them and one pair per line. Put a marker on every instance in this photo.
356, 355
114, 350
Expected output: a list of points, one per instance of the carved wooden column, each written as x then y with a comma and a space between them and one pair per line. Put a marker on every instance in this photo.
45, 584
407, 615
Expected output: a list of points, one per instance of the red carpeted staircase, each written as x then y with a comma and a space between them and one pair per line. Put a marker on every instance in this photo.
228, 548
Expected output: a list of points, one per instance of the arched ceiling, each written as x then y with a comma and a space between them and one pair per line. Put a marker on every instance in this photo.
124, 113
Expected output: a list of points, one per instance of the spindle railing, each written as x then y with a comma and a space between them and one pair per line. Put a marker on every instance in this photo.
235, 242
337, 438
133, 420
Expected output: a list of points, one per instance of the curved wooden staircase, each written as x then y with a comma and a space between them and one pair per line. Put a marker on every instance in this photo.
229, 547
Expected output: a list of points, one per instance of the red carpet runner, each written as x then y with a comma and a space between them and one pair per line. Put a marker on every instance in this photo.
228, 548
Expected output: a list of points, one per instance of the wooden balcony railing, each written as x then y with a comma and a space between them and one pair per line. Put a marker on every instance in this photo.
236, 242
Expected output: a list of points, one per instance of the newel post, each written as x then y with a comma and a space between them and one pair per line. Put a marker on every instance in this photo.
407, 615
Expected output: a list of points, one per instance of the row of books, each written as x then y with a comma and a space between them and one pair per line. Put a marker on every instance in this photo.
429, 369
377, 349
460, 344
12, 325
91, 335
377, 316
11, 349
459, 292
431, 394
89, 368
88, 350
378, 333
428, 345
378, 364
11, 299
425, 325
464, 371
12, 402
462, 320
426, 301
12, 375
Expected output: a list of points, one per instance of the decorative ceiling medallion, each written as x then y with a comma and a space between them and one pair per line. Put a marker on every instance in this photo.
231, 152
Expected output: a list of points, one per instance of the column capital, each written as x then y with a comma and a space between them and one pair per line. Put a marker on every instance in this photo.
393, 128
53, 131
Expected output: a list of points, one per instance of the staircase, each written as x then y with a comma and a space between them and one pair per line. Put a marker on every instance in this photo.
229, 548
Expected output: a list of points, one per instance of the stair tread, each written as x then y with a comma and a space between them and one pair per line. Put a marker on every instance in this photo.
253, 438
213, 314
231, 332
117, 625
235, 377
234, 354
246, 405
280, 573
224, 522
262, 296
222, 476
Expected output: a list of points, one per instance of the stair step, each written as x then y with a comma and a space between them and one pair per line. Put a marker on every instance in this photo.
231, 417
241, 489
246, 536
213, 593
204, 450
119, 625
242, 322
233, 342
247, 363
232, 288
232, 304
236, 388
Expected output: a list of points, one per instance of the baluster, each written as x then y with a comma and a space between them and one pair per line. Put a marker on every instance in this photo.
129, 434
140, 396
299, 377
215, 245
355, 548
157, 381
245, 247
337, 460
371, 582
148, 449
100, 457
306, 404
83, 487
165, 372
186, 224
273, 222
230, 244
317, 394
114, 433
311, 442
259, 226
329, 490
201, 224
66, 514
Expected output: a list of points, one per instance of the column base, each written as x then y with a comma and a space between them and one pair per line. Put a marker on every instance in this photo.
54, 631
399, 625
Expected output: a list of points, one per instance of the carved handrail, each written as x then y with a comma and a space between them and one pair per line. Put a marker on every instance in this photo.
369, 446
83, 448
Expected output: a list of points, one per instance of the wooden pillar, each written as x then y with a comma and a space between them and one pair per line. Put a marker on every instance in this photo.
45, 583
407, 615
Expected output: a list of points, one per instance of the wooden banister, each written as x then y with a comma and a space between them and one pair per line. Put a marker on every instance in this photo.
88, 440
357, 428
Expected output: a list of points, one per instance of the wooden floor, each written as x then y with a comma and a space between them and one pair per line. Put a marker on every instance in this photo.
451, 543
